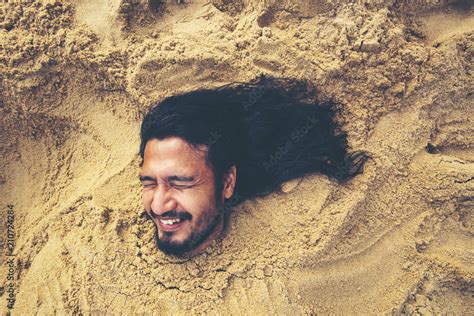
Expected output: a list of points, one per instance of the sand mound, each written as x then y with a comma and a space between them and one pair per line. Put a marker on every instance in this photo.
77, 78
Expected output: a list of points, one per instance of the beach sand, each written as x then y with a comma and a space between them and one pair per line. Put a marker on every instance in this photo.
78, 76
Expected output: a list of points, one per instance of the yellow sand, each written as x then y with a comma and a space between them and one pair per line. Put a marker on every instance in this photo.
77, 78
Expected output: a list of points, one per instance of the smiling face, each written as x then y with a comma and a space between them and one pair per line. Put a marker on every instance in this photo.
179, 194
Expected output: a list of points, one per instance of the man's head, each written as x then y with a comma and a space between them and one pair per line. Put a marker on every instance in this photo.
188, 170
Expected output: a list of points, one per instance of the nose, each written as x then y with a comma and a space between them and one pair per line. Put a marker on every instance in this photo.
162, 200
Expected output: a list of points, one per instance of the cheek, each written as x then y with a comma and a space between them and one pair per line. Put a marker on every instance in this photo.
198, 204
147, 199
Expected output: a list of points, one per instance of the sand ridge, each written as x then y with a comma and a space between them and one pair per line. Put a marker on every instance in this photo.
78, 76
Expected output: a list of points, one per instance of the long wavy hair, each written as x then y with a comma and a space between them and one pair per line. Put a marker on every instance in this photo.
273, 130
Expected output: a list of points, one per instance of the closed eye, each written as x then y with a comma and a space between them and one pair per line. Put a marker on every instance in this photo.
181, 186
149, 185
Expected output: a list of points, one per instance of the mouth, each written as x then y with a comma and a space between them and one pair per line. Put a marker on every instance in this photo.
169, 223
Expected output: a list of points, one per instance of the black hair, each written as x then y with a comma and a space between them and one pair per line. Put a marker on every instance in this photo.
271, 129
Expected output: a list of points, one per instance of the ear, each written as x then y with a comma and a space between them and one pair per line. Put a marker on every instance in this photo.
229, 182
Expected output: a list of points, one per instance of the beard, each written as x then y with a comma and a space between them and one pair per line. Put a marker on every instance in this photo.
194, 240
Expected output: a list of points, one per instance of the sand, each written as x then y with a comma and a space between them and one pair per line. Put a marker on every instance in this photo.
78, 76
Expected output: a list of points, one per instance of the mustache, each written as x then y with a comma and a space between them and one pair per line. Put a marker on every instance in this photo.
171, 214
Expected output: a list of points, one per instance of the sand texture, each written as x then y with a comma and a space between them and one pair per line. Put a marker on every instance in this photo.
78, 76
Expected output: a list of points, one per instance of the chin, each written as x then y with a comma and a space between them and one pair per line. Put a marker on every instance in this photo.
172, 246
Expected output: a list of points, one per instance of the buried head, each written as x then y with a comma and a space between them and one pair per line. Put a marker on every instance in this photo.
193, 144
180, 195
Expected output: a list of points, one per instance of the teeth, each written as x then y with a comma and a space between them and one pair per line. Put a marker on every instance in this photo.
170, 221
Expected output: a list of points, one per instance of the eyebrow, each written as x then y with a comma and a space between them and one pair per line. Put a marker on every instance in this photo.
170, 178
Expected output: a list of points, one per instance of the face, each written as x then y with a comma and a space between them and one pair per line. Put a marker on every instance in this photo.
179, 195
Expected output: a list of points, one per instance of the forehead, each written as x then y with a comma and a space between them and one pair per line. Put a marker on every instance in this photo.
174, 156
